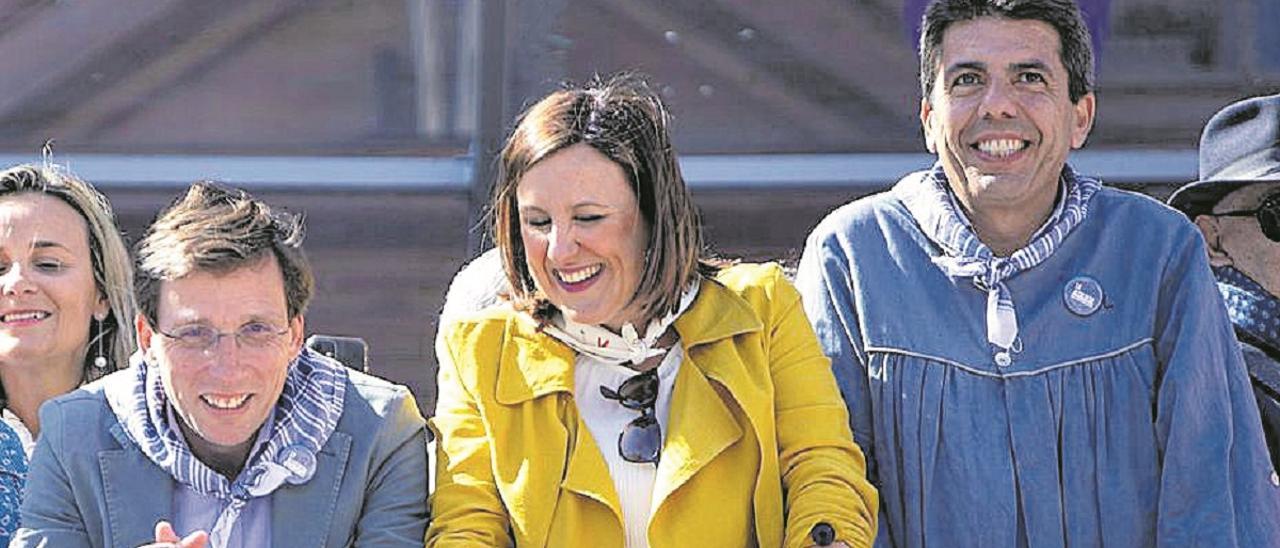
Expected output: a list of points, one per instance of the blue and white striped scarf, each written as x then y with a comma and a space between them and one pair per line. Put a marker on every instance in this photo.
928, 198
305, 415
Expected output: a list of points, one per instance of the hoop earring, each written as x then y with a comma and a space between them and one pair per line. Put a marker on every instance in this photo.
100, 361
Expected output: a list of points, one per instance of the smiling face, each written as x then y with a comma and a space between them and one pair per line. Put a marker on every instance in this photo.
46, 274
583, 235
1000, 117
224, 393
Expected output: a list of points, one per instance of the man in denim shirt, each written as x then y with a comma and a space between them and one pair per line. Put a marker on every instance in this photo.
1030, 358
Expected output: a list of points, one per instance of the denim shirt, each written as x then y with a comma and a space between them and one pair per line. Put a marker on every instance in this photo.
1127, 422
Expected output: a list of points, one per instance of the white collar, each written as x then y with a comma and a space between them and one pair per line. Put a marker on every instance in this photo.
24, 434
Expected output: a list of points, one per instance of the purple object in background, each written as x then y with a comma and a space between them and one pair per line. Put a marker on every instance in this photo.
1266, 40
1097, 15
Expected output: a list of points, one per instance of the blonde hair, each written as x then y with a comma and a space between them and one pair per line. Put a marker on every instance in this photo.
112, 271
625, 120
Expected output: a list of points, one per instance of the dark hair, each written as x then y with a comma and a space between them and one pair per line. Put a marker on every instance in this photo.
1075, 48
624, 119
218, 229
112, 272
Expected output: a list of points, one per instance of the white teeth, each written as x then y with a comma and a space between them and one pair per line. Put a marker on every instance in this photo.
1001, 147
578, 275
231, 402
24, 316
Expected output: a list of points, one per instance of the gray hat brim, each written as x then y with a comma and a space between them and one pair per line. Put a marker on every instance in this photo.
1240, 146
1199, 197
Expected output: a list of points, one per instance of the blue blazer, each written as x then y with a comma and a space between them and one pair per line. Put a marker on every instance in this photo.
89, 485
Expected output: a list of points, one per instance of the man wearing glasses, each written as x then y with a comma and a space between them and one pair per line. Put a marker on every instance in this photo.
224, 431
1236, 205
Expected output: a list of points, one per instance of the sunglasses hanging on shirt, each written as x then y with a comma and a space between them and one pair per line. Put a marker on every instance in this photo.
641, 439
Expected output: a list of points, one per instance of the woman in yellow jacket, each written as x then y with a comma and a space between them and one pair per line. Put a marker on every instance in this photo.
629, 392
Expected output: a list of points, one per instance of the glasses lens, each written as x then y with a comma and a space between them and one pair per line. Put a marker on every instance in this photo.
641, 440
639, 391
1269, 218
195, 337
258, 335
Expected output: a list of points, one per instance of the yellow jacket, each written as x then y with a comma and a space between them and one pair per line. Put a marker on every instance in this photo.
758, 449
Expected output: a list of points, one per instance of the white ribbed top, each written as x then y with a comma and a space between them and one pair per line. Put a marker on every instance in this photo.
606, 418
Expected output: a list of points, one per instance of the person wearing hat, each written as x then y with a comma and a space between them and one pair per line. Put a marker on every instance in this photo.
1236, 205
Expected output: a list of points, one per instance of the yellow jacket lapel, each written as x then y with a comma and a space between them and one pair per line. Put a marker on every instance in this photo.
537, 364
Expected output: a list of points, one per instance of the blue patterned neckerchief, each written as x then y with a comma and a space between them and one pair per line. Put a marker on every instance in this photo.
305, 415
928, 198
1251, 308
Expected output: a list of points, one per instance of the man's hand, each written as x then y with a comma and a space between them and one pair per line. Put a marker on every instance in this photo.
166, 537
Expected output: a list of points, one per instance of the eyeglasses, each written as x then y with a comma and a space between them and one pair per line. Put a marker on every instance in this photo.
641, 439
1268, 215
198, 338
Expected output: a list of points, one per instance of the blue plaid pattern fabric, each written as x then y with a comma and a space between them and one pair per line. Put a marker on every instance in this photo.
13, 475
928, 198
305, 416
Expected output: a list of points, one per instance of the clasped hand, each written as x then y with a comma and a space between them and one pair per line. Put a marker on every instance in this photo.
166, 537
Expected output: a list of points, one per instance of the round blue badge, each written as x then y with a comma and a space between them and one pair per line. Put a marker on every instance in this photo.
299, 461
1082, 296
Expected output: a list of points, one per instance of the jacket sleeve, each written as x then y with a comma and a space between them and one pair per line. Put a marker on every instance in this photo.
1217, 486
466, 508
50, 513
395, 506
823, 471
825, 285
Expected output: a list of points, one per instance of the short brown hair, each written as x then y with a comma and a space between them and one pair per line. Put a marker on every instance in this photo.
218, 229
625, 120
112, 271
1075, 48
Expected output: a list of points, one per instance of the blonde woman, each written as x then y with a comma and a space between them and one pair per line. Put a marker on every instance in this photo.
65, 300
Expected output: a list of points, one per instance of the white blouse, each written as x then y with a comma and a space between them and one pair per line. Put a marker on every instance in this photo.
24, 435
606, 418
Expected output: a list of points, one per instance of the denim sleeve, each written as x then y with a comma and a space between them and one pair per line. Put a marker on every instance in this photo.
826, 288
1217, 486
823, 471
